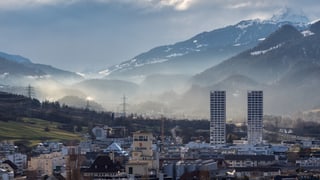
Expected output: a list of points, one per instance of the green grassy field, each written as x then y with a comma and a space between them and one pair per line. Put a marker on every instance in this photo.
33, 130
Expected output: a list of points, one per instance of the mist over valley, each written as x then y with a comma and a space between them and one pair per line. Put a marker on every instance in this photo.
279, 56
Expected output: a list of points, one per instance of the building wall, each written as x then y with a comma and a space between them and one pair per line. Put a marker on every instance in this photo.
217, 117
6, 167
20, 160
142, 142
100, 133
144, 159
310, 162
248, 163
255, 117
137, 168
6, 175
46, 163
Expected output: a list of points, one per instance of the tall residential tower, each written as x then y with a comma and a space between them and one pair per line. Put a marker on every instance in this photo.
217, 117
255, 117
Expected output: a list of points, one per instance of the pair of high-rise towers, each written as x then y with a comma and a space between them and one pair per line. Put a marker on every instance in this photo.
218, 117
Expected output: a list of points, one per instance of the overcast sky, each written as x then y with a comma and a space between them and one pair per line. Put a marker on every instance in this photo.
81, 35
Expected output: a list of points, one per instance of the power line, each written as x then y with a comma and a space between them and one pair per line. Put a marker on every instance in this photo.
30, 91
124, 106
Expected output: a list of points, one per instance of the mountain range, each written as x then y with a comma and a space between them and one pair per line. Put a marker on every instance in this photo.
280, 56
205, 49
286, 65
17, 70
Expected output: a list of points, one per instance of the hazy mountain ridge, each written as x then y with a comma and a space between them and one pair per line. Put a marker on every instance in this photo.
286, 66
279, 58
16, 69
78, 102
205, 49
271, 59
16, 58
264, 63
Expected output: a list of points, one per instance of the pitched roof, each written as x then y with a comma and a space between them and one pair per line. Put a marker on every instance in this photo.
103, 163
10, 163
114, 147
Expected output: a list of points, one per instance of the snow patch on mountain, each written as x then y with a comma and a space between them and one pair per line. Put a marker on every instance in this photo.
47, 76
307, 33
175, 55
168, 49
81, 74
245, 24
156, 61
314, 21
243, 33
134, 63
198, 45
261, 39
105, 72
256, 53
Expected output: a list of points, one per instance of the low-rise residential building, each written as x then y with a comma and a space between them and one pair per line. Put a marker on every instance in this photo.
311, 162
6, 175
41, 149
249, 160
177, 169
256, 172
20, 160
48, 147
7, 147
46, 164
9, 166
88, 146
104, 168
100, 133
249, 149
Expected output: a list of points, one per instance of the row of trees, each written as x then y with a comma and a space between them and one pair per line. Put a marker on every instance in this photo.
14, 107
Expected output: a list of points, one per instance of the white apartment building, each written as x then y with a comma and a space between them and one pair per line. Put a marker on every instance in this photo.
217, 117
255, 117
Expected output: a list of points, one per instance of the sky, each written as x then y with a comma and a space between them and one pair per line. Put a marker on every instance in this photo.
91, 35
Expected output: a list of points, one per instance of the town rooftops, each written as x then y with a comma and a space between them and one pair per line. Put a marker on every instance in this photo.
103, 163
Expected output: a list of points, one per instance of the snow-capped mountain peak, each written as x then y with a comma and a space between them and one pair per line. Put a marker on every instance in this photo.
247, 23
207, 48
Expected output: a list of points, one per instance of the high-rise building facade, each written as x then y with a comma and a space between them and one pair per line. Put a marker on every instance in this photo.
217, 117
255, 117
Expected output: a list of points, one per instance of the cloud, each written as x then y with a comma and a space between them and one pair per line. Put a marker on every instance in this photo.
240, 5
178, 5
18, 4
93, 34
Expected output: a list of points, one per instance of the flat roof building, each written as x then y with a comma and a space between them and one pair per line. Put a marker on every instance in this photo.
255, 117
217, 117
